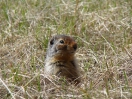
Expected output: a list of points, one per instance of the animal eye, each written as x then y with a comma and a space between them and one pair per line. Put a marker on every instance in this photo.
52, 42
61, 41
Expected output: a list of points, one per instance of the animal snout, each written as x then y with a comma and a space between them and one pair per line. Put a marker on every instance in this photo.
67, 47
62, 47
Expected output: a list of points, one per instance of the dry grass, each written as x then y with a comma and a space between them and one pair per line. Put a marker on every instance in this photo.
103, 30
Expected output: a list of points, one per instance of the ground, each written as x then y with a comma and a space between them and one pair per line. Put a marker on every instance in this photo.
102, 29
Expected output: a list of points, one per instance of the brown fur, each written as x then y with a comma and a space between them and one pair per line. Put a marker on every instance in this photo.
60, 60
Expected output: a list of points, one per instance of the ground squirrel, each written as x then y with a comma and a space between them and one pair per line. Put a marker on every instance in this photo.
60, 59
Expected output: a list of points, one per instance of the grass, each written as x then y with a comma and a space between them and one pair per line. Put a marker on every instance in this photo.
103, 30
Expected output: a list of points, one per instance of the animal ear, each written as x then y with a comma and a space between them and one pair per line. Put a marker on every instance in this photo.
75, 46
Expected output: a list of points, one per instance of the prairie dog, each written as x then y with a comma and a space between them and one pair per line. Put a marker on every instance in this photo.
60, 59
